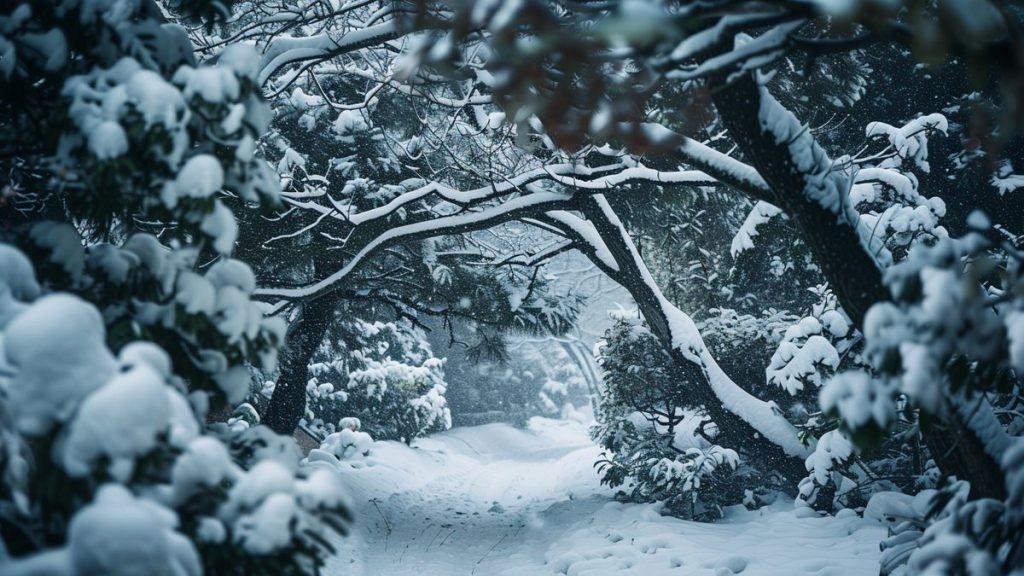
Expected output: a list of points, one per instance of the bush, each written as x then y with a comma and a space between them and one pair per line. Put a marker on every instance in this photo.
124, 323
654, 441
102, 453
385, 375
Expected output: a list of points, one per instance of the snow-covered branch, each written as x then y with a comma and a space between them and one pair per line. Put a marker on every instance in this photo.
454, 224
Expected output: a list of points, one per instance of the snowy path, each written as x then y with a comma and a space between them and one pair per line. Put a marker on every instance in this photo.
492, 500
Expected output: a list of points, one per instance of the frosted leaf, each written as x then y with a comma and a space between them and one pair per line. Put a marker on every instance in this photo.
1005, 180
291, 160
200, 177
234, 313
805, 354
182, 424
262, 480
759, 215
230, 272
17, 276
921, 375
240, 58
911, 140
150, 252
112, 263
687, 471
792, 365
214, 85
58, 351
348, 124
64, 244
157, 100
120, 421
195, 293
108, 140
103, 101
233, 121
835, 323
221, 226
138, 354
204, 465
859, 399
119, 535
269, 527
833, 450
902, 185
302, 101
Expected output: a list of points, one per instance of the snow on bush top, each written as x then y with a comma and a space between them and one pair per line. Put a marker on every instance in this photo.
58, 352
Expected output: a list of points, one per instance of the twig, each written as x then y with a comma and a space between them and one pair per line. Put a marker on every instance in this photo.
488, 552
447, 537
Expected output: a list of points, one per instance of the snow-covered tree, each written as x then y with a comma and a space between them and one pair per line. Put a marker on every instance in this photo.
383, 374
347, 149
126, 325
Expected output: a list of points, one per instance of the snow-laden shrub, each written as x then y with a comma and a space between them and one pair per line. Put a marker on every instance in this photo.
946, 342
806, 353
405, 401
206, 321
104, 452
945, 532
129, 123
346, 446
693, 482
385, 375
654, 444
349, 444
117, 346
861, 407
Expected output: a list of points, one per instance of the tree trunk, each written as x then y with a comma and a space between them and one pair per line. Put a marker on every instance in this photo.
305, 334
851, 271
958, 450
831, 235
734, 431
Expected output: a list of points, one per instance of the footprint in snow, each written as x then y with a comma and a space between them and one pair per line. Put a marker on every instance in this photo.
731, 565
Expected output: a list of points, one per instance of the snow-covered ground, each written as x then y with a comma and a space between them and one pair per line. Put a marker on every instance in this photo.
495, 500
